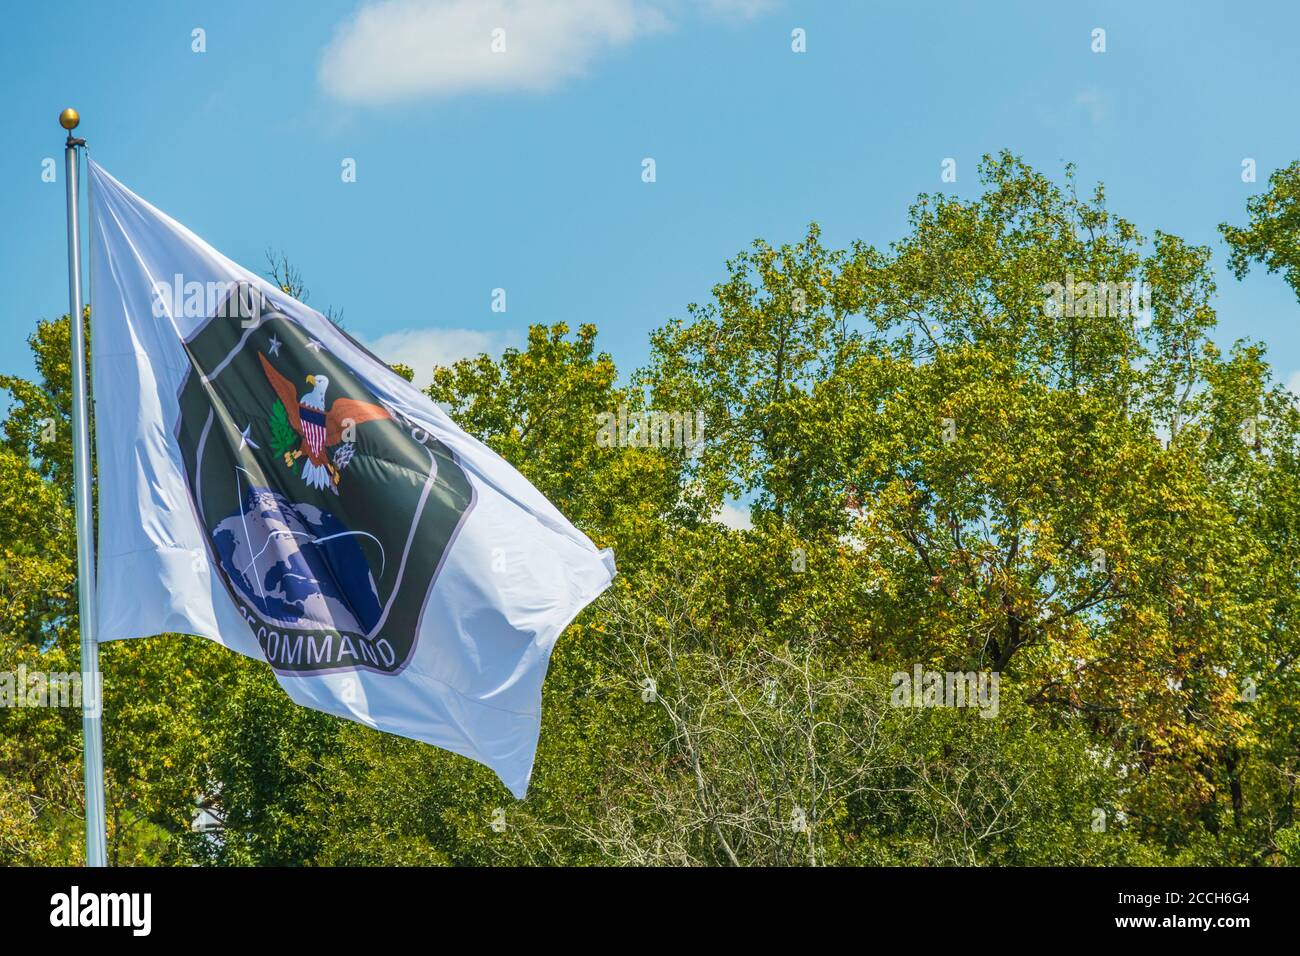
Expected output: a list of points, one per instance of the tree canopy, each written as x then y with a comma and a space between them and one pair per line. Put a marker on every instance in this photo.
1005, 444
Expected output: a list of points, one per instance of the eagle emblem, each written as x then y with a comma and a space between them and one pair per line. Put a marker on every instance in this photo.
294, 418
326, 580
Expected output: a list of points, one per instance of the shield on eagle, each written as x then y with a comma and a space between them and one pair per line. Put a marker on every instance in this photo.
313, 428
328, 515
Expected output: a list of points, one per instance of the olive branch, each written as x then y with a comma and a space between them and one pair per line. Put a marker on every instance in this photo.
283, 437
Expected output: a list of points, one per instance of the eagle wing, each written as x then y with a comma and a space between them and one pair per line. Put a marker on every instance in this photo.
283, 388
349, 411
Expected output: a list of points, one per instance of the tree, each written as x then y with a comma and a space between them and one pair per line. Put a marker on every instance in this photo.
541, 409
1272, 236
1037, 484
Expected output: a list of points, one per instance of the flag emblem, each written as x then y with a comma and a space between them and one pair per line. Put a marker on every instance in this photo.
327, 515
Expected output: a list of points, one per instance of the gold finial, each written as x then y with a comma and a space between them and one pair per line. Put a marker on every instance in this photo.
69, 119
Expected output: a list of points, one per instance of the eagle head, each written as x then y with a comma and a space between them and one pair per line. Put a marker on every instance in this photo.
316, 397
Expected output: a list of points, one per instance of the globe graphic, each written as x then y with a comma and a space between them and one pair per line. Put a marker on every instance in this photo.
298, 565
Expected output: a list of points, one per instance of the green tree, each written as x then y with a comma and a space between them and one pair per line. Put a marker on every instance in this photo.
1032, 486
1272, 236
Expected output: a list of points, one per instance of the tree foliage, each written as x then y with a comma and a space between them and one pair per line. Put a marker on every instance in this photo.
944, 470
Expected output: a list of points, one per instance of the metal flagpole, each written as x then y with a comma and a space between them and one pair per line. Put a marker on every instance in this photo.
92, 743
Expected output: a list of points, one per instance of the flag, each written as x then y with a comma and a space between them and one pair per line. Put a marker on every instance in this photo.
267, 483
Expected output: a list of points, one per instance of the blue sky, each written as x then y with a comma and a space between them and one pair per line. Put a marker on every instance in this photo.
522, 170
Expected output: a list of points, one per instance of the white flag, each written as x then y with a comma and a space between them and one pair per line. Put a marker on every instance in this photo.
266, 482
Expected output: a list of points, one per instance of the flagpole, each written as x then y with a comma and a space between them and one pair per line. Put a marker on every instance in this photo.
92, 743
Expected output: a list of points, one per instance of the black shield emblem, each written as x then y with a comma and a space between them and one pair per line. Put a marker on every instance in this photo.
327, 514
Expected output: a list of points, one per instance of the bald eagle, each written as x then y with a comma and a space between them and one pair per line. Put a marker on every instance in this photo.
319, 429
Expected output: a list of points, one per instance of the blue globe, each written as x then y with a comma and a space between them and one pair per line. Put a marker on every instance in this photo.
297, 564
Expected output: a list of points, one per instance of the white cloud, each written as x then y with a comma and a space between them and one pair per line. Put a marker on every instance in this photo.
399, 49
422, 349
1095, 103
394, 50
734, 516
